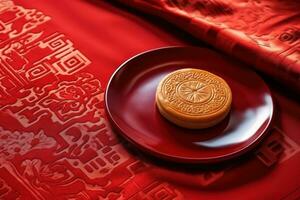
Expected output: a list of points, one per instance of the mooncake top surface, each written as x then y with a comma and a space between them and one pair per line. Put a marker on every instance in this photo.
193, 93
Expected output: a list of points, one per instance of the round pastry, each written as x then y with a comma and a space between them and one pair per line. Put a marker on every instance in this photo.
193, 98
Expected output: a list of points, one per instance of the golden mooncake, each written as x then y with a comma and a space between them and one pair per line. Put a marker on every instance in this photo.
193, 98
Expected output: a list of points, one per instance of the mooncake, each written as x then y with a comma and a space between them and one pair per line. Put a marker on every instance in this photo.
193, 98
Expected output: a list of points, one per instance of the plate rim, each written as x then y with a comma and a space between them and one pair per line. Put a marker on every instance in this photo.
181, 159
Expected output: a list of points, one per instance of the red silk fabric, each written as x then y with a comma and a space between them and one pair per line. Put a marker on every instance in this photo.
264, 34
55, 142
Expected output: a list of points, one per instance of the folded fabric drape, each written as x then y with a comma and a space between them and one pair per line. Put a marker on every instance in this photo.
264, 34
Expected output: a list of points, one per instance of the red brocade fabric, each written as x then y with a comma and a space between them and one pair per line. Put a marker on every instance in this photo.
264, 34
55, 142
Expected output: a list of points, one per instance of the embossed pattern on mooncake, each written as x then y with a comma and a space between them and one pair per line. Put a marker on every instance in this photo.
195, 92
194, 95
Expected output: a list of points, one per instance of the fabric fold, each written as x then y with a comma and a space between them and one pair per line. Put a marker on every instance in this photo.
264, 34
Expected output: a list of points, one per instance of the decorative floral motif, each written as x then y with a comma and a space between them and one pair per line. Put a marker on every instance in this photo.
12, 143
195, 91
51, 174
290, 35
187, 91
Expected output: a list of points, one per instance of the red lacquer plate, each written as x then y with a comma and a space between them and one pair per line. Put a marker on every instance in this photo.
131, 108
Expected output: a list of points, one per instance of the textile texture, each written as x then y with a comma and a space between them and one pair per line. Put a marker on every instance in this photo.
56, 58
264, 34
